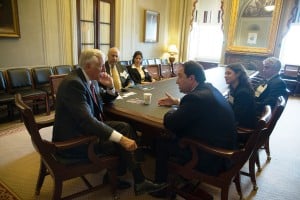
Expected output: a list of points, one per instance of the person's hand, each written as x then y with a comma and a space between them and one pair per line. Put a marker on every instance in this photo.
128, 144
168, 101
106, 80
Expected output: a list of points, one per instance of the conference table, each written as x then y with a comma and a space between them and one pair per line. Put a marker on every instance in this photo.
130, 107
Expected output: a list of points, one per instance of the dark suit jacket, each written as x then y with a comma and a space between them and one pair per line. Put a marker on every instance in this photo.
206, 115
77, 114
123, 73
243, 105
136, 77
275, 87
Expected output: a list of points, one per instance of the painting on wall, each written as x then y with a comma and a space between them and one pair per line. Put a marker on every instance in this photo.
9, 19
151, 26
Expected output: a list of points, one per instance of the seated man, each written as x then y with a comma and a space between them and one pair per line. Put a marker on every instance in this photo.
79, 112
272, 86
118, 72
203, 113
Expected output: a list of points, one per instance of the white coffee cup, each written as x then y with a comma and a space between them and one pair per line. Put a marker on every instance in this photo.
147, 98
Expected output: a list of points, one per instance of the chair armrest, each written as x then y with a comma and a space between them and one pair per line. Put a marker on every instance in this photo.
74, 142
246, 131
46, 123
225, 153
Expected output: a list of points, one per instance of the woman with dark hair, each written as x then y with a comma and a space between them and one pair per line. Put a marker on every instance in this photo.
137, 72
241, 95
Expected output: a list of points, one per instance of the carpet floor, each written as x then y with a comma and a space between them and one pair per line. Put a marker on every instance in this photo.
279, 179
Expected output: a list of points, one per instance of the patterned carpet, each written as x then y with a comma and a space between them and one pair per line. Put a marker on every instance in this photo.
6, 193
279, 179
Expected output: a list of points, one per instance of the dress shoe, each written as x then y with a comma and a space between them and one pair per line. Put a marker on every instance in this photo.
121, 184
148, 186
163, 193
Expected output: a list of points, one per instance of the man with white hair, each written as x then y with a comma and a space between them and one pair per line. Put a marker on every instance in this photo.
272, 87
79, 112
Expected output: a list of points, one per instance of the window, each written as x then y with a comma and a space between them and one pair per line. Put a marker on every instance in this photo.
289, 53
206, 37
96, 24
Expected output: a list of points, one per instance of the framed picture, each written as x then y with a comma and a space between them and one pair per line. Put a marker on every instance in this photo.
151, 26
9, 19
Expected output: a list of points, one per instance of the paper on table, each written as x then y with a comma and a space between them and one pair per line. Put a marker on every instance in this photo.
126, 95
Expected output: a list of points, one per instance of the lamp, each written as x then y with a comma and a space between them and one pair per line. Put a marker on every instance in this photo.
172, 50
269, 5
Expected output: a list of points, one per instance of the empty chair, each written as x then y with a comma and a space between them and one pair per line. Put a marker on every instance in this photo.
20, 81
41, 78
237, 158
62, 169
154, 71
166, 71
62, 69
6, 98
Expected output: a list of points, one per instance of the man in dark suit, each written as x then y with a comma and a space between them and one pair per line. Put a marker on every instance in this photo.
272, 86
203, 113
79, 112
118, 72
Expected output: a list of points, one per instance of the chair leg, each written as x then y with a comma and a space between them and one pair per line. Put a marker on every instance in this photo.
41, 178
257, 161
253, 159
57, 189
267, 148
224, 192
237, 181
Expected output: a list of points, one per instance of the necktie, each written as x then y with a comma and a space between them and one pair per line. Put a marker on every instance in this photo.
92, 87
116, 78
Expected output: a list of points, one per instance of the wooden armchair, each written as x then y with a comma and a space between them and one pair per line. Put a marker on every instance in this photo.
55, 80
237, 157
154, 71
62, 69
62, 169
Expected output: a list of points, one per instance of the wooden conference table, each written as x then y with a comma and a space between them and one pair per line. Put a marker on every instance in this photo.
149, 118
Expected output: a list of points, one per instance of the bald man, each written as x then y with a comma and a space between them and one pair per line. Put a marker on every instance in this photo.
119, 73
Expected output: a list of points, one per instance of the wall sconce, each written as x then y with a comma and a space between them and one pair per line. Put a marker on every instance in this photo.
269, 5
172, 50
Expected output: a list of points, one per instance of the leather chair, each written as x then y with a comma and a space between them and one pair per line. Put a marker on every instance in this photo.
41, 78
55, 80
165, 71
6, 98
20, 81
62, 69
237, 157
154, 71
62, 169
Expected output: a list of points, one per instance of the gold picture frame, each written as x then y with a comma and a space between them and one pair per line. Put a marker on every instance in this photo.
253, 32
9, 19
151, 26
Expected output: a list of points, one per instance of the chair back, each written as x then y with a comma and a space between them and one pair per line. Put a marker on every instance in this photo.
166, 71
62, 69
276, 113
41, 75
151, 61
55, 81
19, 78
154, 71
291, 71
